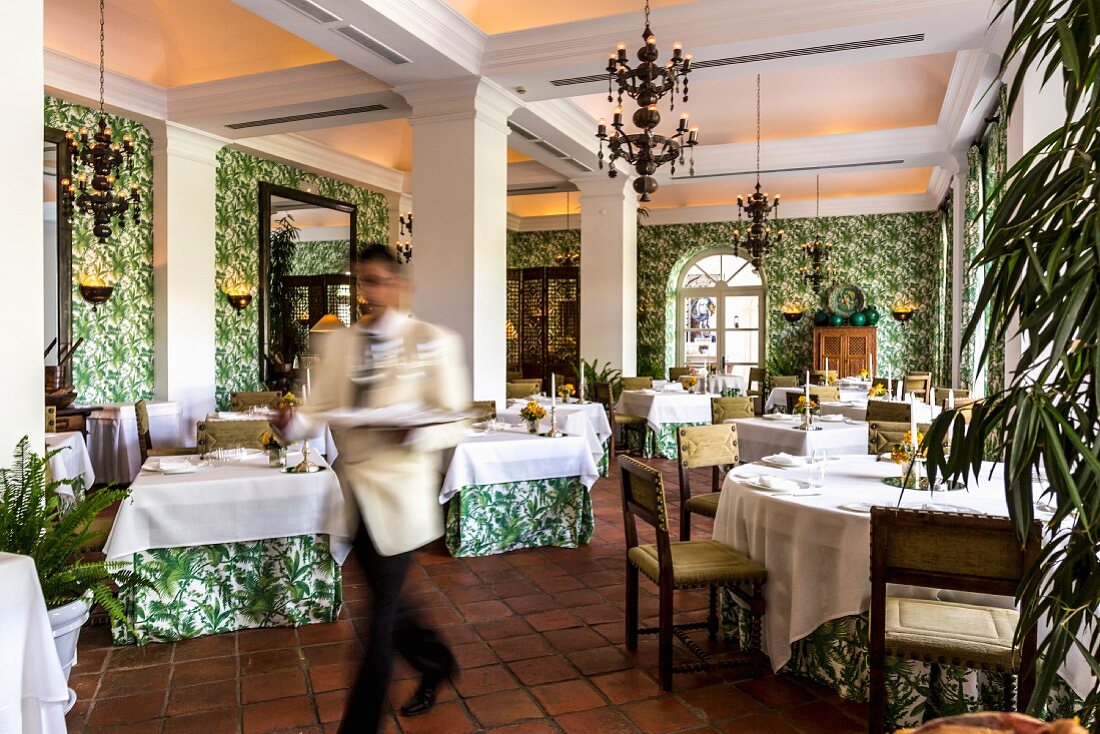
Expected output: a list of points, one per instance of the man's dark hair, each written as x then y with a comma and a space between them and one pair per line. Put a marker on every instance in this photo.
377, 252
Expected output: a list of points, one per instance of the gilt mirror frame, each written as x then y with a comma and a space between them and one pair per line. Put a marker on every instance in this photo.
266, 192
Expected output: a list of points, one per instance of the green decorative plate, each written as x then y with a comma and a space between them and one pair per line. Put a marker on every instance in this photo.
846, 300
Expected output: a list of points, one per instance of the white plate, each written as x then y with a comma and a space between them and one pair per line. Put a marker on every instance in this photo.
173, 467
769, 461
752, 482
854, 422
834, 418
780, 417
860, 507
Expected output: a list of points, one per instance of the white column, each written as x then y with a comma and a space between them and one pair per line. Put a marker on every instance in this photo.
184, 167
21, 278
460, 185
609, 271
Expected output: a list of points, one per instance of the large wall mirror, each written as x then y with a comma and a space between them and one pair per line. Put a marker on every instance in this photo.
307, 253
57, 257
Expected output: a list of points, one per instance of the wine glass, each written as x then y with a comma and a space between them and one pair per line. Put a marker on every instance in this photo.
817, 468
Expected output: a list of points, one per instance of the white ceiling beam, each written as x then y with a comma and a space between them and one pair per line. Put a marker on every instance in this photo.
78, 81
320, 159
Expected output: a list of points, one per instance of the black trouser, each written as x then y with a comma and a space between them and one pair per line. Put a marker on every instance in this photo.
393, 625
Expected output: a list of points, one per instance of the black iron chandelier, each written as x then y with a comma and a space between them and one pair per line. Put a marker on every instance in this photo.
757, 238
817, 270
647, 84
405, 227
98, 158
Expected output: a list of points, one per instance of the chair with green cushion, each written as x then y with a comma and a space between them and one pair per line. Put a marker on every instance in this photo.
214, 435
723, 410
785, 381
884, 410
693, 564
523, 388
620, 421
954, 552
882, 435
825, 394
242, 401
145, 438
486, 409
918, 383
675, 373
700, 447
637, 383
961, 393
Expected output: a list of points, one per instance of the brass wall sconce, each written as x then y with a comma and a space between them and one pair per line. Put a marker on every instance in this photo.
95, 291
238, 301
903, 310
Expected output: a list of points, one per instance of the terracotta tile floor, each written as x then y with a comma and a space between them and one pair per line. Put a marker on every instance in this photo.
538, 635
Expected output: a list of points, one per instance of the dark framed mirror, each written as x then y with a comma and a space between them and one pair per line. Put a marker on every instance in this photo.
307, 258
57, 251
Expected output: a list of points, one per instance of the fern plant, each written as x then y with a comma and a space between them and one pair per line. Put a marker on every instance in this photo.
35, 522
594, 373
1042, 261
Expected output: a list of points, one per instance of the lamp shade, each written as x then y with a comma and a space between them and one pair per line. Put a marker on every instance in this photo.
329, 322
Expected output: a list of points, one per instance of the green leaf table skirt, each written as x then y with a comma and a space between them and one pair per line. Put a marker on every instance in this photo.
835, 655
484, 520
205, 590
657, 444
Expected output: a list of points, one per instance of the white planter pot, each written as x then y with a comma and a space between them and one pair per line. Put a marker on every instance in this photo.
66, 622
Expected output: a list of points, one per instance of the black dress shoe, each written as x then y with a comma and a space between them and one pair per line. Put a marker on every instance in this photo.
421, 702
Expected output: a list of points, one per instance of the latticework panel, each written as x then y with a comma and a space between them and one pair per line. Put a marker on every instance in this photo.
563, 325
831, 346
512, 314
532, 323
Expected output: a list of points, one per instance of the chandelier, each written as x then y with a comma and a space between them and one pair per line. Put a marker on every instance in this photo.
817, 270
405, 227
647, 84
98, 158
757, 238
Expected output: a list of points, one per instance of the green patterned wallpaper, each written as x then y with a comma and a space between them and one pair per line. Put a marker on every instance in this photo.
237, 252
537, 249
115, 363
320, 258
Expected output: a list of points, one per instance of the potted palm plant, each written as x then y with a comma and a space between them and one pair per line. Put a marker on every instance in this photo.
36, 522
1042, 270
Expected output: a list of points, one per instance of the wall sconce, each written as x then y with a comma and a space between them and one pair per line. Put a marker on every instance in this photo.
903, 309
792, 311
405, 228
95, 290
238, 301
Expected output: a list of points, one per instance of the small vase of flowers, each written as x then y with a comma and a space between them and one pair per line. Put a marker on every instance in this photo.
566, 392
276, 451
864, 374
878, 390
801, 407
908, 459
690, 382
531, 414
289, 401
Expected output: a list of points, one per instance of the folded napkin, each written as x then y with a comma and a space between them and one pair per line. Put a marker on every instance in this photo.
673, 387
766, 480
779, 417
154, 463
786, 459
834, 418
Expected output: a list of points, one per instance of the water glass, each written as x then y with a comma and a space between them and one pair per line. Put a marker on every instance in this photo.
817, 468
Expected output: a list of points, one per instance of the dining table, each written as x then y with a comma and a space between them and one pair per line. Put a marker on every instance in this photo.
814, 542
71, 461
320, 441
34, 695
508, 489
587, 419
778, 433
113, 437
665, 412
230, 543
777, 398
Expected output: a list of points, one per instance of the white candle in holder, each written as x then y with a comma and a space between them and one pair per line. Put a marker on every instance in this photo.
553, 389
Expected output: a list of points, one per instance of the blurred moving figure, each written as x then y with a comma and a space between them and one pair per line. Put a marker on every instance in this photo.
391, 476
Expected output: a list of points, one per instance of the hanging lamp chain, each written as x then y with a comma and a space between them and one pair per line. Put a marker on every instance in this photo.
757, 129
647, 13
101, 44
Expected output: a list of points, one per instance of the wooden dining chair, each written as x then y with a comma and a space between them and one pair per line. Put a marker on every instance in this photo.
693, 564
882, 435
213, 435
723, 410
958, 552
240, 402
754, 388
623, 422
486, 409
918, 383
145, 437
965, 408
675, 373
703, 447
884, 410
785, 381
523, 388
644, 382
513, 376
818, 377
961, 393
792, 400
51, 418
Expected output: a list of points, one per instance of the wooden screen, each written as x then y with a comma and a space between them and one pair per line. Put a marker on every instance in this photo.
544, 323
847, 347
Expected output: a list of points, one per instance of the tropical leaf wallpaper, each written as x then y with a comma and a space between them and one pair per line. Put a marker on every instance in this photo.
115, 363
886, 255
320, 257
237, 252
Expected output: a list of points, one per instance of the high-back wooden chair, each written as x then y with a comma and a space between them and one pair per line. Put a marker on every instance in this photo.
968, 553
818, 377
754, 388
965, 407
825, 393
918, 383
884, 410
145, 437
700, 447
729, 409
644, 382
882, 435
214, 435
51, 418
692, 564
487, 409
675, 373
619, 421
241, 401
784, 381
522, 388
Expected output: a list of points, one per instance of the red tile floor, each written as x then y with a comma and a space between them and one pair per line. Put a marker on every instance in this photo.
538, 635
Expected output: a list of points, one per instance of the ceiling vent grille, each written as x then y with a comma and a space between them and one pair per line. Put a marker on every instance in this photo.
372, 44
538, 189
312, 10
526, 134
770, 56
551, 149
793, 169
556, 152
307, 116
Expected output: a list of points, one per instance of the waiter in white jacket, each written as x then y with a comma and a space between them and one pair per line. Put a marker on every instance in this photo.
391, 476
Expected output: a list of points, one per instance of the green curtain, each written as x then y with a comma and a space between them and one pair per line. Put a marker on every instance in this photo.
972, 245
995, 152
941, 358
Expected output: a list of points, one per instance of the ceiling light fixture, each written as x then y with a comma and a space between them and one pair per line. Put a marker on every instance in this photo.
758, 235
99, 159
647, 84
817, 270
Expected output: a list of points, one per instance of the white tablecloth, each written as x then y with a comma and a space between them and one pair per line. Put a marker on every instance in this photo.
717, 383
113, 437
778, 396
33, 694
230, 504
818, 555
760, 437
857, 410
321, 441
71, 461
659, 408
514, 455
587, 420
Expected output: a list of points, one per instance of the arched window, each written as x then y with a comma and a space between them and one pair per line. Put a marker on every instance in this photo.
720, 312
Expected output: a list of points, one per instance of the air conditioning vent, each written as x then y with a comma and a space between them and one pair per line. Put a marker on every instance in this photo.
307, 116
372, 44
770, 56
313, 10
556, 152
793, 169
527, 134
535, 189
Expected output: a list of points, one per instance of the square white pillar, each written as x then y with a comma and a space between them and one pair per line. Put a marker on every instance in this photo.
184, 168
609, 271
460, 185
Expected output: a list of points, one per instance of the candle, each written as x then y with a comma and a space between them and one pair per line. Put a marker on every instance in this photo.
901, 387
913, 430
889, 387
807, 387
871, 365
950, 399
309, 385
553, 389
826, 370
932, 396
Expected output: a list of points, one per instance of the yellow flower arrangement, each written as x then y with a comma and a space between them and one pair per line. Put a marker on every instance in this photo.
690, 382
801, 407
289, 401
532, 412
863, 374
903, 451
878, 390
269, 441
566, 391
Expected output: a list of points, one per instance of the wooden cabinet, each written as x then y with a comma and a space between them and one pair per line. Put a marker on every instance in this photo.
847, 347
